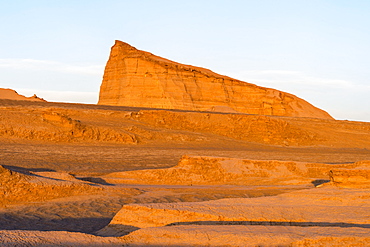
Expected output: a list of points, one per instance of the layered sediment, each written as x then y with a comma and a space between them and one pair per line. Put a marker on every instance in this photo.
201, 170
137, 78
291, 219
55, 122
353, 177
18, 187
6, 93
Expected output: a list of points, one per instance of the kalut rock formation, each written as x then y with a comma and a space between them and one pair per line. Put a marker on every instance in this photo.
278, 219
18, 187
137, 78
202, 170
6, 93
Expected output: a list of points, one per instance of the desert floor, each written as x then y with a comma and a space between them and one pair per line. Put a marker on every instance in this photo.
61, 188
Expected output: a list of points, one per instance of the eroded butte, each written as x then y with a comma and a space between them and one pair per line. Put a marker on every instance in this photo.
177, 155
137, 78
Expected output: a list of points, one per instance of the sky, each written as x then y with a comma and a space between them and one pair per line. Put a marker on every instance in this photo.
318, 50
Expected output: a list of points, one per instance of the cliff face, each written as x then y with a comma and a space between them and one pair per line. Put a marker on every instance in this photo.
141, 79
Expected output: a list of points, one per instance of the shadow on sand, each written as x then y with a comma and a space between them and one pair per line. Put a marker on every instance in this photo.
84, 225
273, 223
27, 171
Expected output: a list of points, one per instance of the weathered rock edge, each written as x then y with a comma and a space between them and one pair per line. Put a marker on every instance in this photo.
137, 78
202, 170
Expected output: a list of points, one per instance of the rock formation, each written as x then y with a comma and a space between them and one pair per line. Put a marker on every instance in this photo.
264, 220
137, 78
17, 187
352, 177
202, 170
54, 238
56, 122
13, 95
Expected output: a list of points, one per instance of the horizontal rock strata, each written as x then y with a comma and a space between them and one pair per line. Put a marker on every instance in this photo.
232, 171
357, 177
305, 209
56, 122
247, 235
138, 78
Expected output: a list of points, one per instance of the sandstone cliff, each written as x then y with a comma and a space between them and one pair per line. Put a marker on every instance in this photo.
137, 78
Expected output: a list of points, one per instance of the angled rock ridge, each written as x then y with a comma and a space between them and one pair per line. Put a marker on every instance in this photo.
138, 78
6, 93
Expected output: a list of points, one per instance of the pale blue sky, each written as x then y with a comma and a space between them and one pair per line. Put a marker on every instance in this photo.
317, 50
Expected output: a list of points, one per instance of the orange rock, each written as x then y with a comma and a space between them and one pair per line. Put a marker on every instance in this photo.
202, 170
141, 79
18, 187
13, 95
354, 177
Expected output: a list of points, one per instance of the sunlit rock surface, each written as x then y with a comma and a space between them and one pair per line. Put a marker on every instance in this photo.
137, 78
230, 171
325, 215
6, 93
98, 175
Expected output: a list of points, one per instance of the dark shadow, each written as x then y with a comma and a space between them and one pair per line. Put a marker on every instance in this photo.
27, 171
341, 163
84, 225
318, 182
95, 180
274, 223
120, 231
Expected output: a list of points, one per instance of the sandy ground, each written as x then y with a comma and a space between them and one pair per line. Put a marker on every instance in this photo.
74, 220
106, 158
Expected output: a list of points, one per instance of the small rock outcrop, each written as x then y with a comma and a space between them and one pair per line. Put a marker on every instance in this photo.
6, 93
20, 187
137, 78
353, 177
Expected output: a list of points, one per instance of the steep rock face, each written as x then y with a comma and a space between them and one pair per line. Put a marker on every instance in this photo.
141, 79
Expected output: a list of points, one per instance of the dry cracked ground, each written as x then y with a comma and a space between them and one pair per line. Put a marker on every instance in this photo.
93, 175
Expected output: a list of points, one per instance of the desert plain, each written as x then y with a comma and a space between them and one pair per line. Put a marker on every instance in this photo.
112, 174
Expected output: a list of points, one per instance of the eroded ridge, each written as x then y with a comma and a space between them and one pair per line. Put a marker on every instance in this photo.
232, 171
